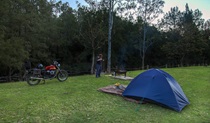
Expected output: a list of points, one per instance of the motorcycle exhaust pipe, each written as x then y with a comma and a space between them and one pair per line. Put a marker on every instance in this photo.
37, 78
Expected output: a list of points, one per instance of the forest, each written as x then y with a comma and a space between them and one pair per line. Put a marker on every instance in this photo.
129, 33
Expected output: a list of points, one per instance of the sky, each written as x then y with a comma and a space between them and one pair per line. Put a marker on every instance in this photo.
202, 5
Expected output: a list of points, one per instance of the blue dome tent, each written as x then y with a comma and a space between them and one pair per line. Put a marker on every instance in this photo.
157, 86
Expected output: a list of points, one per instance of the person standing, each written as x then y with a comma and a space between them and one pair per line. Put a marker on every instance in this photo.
99, 65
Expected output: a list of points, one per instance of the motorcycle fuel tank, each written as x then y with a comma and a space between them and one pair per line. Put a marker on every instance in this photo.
51, 67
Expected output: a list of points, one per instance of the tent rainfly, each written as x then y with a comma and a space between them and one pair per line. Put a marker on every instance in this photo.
157, 86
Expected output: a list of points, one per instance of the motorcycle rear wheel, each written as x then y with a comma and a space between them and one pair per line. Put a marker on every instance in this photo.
62, 75
31, 81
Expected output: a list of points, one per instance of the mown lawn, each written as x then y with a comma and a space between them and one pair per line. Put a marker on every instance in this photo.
78, 101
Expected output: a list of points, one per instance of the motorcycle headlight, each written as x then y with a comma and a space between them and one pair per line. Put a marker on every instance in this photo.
59, 65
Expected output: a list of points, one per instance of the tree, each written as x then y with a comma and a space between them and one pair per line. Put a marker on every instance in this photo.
207, 25
111, 7
120, 8
25, 25
124, 34
64, 34
12, 54
171, 20
206, 35
12, 43
170, 24
187, 38
92, 30
148, 10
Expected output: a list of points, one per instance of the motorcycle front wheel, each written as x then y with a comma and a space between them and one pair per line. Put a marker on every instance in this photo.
62, 75
30, 78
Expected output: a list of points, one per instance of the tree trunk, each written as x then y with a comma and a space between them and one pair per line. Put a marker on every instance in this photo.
93, 62
143, 47
109, 36
181, 61
10, 75
142, 65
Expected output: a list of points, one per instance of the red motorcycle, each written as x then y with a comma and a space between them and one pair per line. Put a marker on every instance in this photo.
34, 76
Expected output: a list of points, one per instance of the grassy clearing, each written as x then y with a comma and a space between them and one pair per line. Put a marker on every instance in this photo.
78, 101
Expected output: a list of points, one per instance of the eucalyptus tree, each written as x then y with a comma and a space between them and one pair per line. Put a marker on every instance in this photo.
148, 11
112, 6
91, 29
124, 35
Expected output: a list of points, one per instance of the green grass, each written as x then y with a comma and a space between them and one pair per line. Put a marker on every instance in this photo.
78, 101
